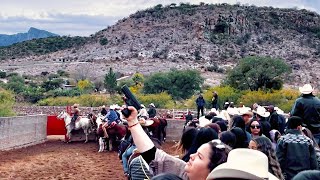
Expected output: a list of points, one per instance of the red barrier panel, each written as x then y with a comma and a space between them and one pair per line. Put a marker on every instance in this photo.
55, 126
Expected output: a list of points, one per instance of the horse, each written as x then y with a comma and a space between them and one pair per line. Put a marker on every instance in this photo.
115, 132
83, 123
158, 128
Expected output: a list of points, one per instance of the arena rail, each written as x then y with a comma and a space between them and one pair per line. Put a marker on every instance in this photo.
22, 131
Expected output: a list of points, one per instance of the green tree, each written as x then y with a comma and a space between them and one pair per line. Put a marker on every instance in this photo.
16, 84
138, 78
52, 84
110, 81
103, 41
256, 73
6, 103
85, 85
179, 84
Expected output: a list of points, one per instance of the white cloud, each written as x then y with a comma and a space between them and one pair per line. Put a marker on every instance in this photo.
85, 17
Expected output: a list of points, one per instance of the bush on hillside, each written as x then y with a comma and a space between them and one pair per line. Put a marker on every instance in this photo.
6, 103
84, 100
161, 100
224, 93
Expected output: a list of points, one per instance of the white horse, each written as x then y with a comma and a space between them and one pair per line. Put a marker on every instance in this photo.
83, 123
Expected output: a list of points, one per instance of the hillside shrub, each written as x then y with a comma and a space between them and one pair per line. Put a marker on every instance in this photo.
6, 103
224, 93
161, 100
3, 74
88, 100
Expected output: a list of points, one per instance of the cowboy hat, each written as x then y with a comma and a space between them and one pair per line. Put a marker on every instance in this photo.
143, 106
306, 89
116, 106
152, 105
214, 110
103, 106
244, 164
262, 112
245, 111
232, 111
147, 122
279, 111
203, 121
112, 107
75, 105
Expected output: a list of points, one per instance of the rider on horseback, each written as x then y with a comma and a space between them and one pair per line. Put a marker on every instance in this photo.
143, 112
152, 111
111, 117
76, 113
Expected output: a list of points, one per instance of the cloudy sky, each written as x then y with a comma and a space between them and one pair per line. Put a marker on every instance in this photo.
85, 17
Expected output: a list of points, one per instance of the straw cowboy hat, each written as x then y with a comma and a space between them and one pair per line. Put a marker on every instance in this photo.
75, 105
152, 105
245, 164
146, 122
203, 121
245, 111
262, 112
116, 106
306, 89
232, 111
103, 106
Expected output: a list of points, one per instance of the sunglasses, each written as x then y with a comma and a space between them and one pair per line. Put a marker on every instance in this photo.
255, 126
218, 144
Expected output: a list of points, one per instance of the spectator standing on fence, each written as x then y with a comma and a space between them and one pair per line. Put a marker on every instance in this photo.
200, 105
152, 111
308, 108
295, 151
189, 117
214, 100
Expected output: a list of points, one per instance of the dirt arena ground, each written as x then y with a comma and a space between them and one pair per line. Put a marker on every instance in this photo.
55, 159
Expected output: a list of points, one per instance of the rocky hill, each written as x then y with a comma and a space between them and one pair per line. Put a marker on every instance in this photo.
189, 36
33, 33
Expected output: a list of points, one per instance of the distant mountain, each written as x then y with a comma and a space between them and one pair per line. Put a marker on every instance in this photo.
33, 33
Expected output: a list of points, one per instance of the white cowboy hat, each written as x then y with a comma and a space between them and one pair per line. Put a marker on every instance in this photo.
142, 106
244, 164
147, 122
279, 111
152, 105
262, 112
112, 107
75, 105
232, 111
214, 110
203, 121
245, 110
103, 106
306, 89
116, 106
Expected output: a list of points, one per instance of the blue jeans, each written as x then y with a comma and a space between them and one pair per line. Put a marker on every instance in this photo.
317, 138
125, 157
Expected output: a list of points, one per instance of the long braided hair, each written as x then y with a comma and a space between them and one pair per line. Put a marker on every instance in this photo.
264, 145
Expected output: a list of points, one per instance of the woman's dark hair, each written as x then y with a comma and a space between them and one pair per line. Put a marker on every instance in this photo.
228, 138
166, 176
309, 134
249, 129
223, 125
219, 154
237, 121
241, 138
264, 145
187, 138
204, 135
214, 126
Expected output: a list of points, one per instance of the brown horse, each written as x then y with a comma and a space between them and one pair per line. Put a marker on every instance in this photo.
158, 128
115, 133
